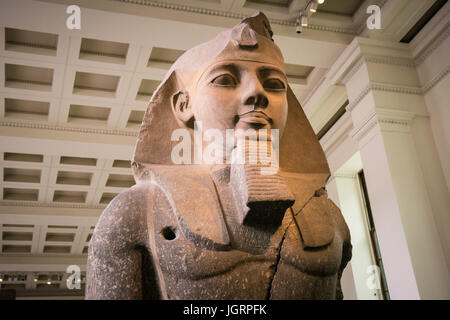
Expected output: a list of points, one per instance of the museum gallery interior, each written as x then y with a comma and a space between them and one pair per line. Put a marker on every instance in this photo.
371, 77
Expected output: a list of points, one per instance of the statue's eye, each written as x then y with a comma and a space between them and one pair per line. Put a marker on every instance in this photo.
226, 80
274, 84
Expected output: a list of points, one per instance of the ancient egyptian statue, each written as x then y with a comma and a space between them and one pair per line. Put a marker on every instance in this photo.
221, 230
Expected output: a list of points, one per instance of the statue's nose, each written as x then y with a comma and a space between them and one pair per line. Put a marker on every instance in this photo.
255, 96
257, 101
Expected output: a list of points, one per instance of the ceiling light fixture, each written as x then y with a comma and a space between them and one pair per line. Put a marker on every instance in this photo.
298, 27
309, 8
304, 21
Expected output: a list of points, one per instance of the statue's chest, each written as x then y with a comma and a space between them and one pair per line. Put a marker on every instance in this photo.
200, 258
194, 267
201, 251
185, 252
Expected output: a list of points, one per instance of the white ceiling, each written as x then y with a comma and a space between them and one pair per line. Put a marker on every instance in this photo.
71, 102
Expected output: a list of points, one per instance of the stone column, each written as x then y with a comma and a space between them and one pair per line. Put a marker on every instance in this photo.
392, 129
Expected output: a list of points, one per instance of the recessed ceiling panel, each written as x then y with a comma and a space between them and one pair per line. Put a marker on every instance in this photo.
146, 89
275, 3
77, 161
88, 115
120, 181
19, 194
74, 178
95, 84
106, 198
297, 73
163, 58
57, 249
135, 119
30, 41
103, 51
69, 196
22, 175
17, 236
16, 249
26, 109
28, 77
346, 7
122, 164
23, 157
63, 237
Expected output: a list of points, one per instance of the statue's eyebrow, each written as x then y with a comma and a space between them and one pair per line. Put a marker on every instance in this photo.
230, 67
267, 71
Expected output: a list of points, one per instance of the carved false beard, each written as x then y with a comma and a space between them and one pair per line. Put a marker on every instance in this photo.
261, 194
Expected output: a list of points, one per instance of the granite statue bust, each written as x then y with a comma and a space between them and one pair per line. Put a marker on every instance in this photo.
196, 228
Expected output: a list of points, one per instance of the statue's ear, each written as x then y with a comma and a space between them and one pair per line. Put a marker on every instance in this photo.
182, 107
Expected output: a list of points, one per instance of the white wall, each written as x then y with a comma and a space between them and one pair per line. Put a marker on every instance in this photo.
431, 49
438, 105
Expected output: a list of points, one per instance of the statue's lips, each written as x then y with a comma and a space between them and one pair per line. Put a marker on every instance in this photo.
255, 117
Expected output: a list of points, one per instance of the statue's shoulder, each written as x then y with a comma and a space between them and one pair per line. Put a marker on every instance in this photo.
128, 207
339, 218
343, 229
130, 200
124, 219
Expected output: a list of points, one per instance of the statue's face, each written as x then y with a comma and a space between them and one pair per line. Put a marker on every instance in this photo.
241, 95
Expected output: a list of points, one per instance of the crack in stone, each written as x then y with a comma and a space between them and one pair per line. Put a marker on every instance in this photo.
269, 291
316, 194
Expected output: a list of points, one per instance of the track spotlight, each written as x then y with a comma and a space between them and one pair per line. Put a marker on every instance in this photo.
309, 9
304, 21
313, 7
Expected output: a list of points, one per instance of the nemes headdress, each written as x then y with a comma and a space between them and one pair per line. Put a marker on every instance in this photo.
251, 40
